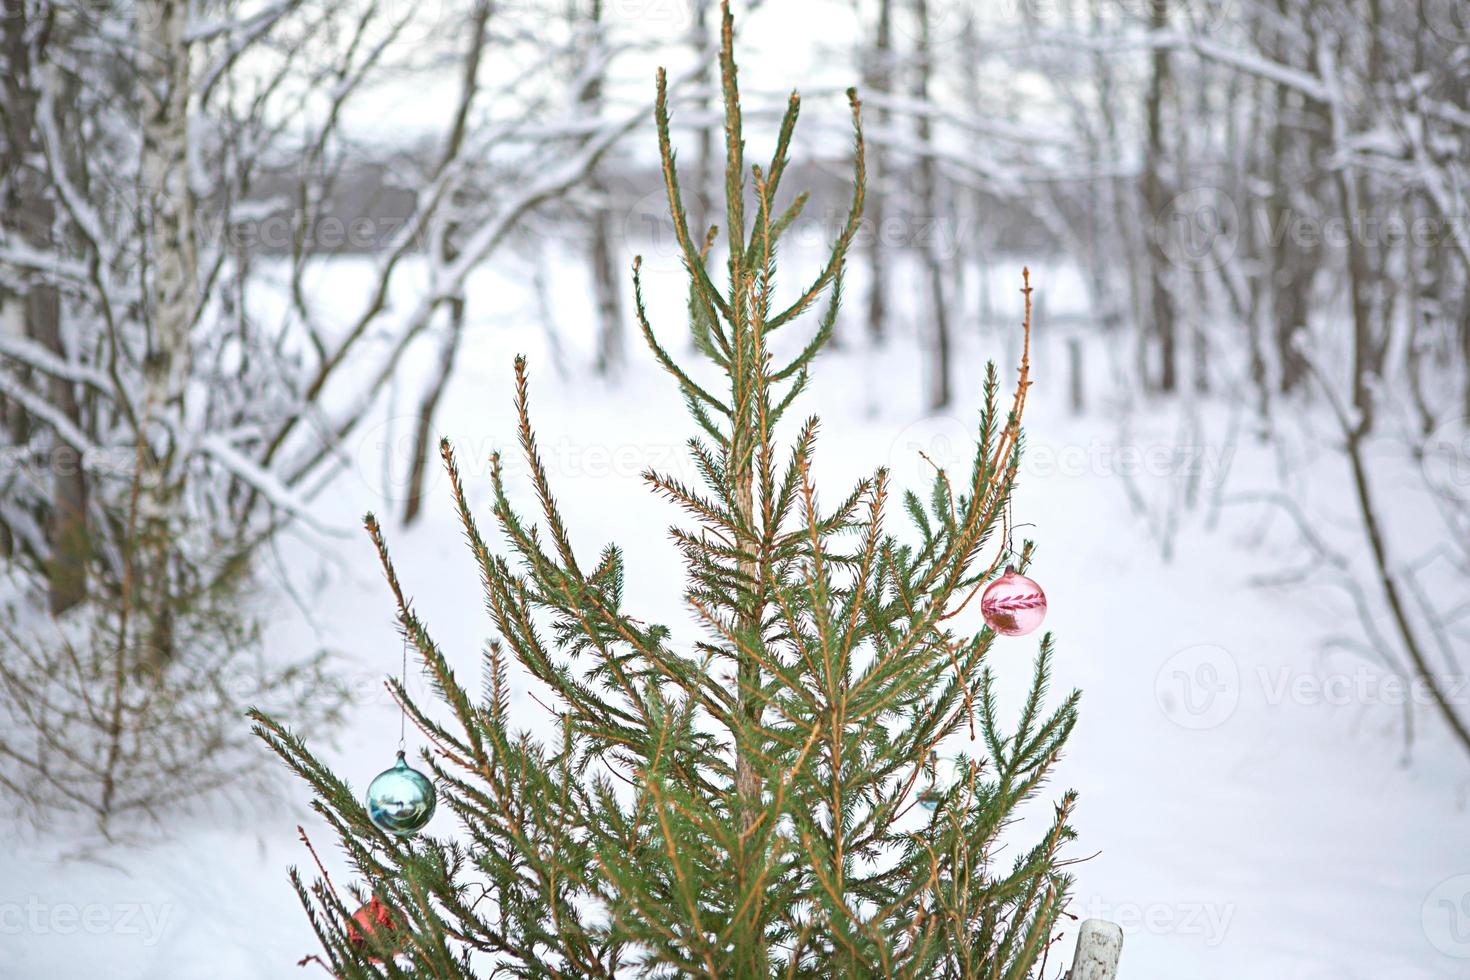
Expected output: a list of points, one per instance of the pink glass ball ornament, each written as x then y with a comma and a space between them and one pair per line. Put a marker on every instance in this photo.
1013, 605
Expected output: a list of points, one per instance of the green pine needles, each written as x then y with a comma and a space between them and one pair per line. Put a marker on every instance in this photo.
745, 805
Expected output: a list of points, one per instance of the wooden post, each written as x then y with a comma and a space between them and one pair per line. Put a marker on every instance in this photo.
1099, 945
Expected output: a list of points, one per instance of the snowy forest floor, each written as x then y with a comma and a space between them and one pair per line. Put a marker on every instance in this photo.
1248, 819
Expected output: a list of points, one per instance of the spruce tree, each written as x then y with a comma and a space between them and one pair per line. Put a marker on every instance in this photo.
746, 804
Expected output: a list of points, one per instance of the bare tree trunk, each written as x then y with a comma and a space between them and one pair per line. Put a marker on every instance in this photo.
879, 79
1422, 319
704, 162
610, 352
1356, 198
939, 393
1123, 216
1294, 263
1075, 367
447, 253
428, 405
1199, 280
13, 419
1292, 270
1465, 353
70, 545
1155, 200
541, 288
163, 54
1257, 249
604, 262
32, 213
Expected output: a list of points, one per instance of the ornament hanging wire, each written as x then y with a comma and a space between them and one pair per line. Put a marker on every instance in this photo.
400, 800
1010, 533
403, 690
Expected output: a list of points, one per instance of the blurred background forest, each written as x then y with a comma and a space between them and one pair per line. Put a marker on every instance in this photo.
257, 257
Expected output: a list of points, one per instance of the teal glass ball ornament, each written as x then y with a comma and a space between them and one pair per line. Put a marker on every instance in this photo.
400, 800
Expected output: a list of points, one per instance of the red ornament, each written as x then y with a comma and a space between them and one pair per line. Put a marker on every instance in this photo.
1013, 605
375, 919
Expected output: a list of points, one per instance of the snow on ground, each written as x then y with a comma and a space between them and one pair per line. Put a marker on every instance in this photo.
1243, 816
